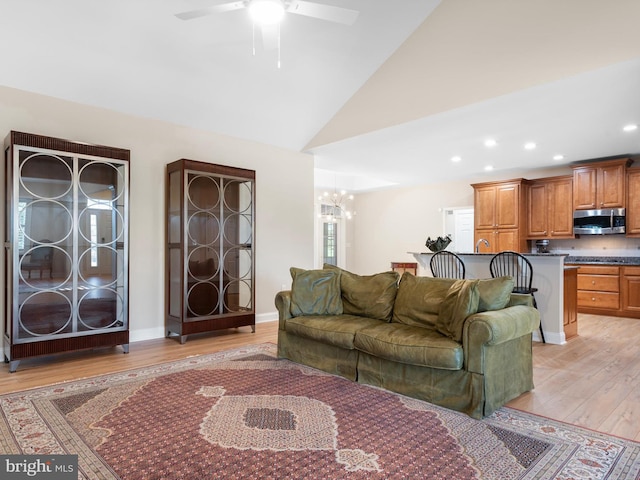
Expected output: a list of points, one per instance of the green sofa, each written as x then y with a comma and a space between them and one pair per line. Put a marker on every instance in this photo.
461, 344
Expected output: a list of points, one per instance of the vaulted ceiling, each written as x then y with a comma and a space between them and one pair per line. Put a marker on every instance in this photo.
388, 100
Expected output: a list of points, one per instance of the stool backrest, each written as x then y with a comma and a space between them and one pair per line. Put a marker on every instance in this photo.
447, 265
514, 265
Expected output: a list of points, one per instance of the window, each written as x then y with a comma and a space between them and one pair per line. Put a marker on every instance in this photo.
329, 243
93, 230
22, 220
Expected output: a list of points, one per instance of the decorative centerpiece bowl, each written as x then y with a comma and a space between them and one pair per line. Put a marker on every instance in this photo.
438, 244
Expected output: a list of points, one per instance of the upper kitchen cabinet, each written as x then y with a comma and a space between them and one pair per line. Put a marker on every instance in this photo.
550, 212
633, 203
500, 214
600, 184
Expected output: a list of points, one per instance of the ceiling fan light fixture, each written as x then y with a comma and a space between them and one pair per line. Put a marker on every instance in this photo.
266, 12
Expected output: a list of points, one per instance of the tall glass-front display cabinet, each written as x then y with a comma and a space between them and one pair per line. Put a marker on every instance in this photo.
66, 246
209, 254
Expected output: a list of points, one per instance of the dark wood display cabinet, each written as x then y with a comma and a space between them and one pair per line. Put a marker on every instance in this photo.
66, 246
210, 268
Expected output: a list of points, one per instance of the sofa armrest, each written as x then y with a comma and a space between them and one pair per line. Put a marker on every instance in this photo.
283, 304
486, 329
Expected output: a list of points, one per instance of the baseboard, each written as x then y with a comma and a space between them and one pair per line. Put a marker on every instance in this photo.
550, 337
159, 332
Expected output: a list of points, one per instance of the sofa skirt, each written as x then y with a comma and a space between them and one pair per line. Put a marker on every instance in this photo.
328, 358
455, 389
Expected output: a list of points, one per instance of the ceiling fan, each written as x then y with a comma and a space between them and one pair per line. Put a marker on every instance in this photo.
266, 12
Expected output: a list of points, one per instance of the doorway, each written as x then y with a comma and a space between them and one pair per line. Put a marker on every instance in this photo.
330, 237
458, 223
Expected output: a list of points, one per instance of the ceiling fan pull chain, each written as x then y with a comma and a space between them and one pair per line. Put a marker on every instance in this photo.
253, 38
278, 46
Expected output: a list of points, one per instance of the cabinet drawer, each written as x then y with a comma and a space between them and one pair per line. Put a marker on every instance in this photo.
634, 271
599, 270
603, 283
606, 300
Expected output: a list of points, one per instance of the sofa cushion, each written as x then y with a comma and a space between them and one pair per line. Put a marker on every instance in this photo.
368, 295
461, 301
410, 344
419, 298
315, 292
495, 293
337, 330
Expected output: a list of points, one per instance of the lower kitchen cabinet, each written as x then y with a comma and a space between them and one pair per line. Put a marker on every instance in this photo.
609, 290
570, 321
630, 286
599, 288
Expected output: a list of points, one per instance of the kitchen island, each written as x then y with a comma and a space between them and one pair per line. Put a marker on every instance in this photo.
548, 278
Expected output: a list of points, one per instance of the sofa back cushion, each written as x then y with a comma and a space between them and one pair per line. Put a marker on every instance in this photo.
369, 296
461, 301
315, 292
419, 298
495, 293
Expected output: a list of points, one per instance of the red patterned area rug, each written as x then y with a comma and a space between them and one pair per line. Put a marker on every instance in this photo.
245, 414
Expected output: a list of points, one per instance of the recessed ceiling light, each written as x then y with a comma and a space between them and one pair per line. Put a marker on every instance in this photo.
630, 128
488, 168
456, 158
529, 146
490, 142
558, 157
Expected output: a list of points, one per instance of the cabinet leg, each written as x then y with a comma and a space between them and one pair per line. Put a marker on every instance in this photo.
183, 339
125, 347
253, 329
13, 366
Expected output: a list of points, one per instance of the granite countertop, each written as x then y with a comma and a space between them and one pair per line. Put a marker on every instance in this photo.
602, 260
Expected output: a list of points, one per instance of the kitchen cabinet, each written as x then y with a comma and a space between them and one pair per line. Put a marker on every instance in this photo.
549, 208
570, 314
609, 290
500, 215
630, 288
66, 246
598, 288
210, 268
633, 203
499, 240
599, 185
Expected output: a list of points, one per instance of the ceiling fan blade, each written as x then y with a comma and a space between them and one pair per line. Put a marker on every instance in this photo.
202, 12
324, 12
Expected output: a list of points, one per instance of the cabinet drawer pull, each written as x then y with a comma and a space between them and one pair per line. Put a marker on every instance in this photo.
593, 282
593, 299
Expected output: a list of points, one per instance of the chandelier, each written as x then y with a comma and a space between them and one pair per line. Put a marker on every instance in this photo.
333, 206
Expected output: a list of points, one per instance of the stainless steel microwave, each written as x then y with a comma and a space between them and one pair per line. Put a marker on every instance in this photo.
599, 222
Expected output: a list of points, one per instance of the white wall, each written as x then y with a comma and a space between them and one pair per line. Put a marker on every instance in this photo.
390, 223
284, 193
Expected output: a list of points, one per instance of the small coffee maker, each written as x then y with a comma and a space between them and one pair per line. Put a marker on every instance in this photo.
542, 246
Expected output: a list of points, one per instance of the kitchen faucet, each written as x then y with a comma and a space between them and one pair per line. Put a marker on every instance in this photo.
482, 240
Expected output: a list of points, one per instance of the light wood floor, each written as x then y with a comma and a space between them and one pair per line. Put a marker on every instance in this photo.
592, 381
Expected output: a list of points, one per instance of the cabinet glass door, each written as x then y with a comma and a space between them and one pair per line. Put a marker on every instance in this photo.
69, 240
219, 231
236, 246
